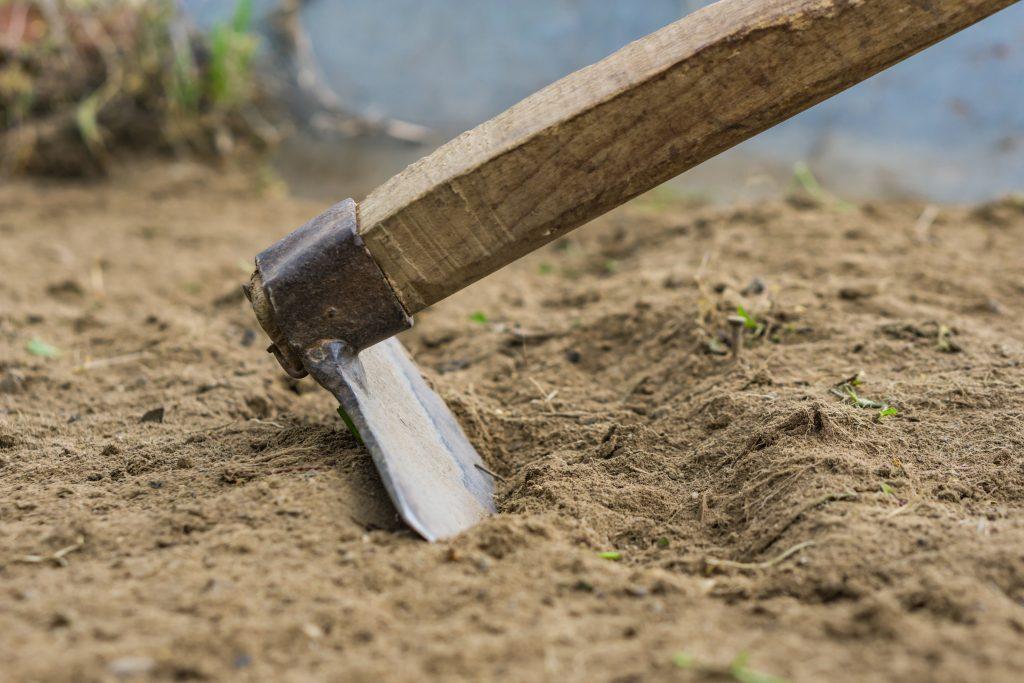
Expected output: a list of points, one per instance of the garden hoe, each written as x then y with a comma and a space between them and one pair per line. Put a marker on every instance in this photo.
332, 294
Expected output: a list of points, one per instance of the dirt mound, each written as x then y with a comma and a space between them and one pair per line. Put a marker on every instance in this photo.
840, 501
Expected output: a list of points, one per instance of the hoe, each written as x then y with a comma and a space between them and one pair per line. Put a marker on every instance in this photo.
332, 294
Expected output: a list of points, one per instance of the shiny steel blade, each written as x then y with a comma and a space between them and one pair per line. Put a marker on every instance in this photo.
433, 474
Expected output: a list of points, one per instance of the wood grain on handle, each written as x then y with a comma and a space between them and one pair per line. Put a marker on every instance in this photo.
611, 131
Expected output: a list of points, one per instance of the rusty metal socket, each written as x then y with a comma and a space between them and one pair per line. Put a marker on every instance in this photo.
320, 283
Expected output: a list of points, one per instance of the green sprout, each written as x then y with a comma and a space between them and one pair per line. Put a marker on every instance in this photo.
805, 178
861, 402
749, 321
479, 317
739, 670
684, 660
847, 392
887, 490
350, 424
888, 411
37, 347
610, 555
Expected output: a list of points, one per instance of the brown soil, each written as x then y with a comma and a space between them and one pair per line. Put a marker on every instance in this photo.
757, 514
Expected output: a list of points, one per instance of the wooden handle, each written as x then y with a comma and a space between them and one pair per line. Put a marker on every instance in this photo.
611, 131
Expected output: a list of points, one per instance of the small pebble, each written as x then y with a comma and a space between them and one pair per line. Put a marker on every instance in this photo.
312, 631
126, 667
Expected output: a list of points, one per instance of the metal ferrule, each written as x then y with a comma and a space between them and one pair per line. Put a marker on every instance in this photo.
320, 284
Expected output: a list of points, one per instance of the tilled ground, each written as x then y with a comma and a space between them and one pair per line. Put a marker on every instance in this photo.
171, 507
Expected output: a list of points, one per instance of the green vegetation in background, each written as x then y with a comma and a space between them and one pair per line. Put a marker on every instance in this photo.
805, 179
91, 77
232, 47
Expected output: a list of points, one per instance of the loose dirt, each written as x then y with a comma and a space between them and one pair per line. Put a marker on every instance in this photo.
172, 507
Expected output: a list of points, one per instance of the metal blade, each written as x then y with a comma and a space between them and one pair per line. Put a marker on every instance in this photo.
432, 473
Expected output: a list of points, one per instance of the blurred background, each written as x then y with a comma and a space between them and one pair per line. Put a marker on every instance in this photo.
343, 93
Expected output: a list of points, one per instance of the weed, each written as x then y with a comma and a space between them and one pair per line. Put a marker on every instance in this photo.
37, 347
663, 542
887, 490
545, 268
845, 390
610, 555
749, 321
479, 317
